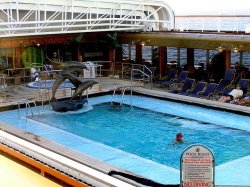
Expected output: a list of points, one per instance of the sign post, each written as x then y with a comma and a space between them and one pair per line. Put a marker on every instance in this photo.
197, 167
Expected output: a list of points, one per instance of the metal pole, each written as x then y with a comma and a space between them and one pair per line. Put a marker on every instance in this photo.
151, 79
18, 109
178, 57
122, 70
129, 52
207, 59
241, 58
131, 105
100, 74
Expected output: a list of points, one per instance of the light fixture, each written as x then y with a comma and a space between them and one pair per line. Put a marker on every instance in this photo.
220, 49
233, 48
143, 43
139, 42
237, 49
36, 43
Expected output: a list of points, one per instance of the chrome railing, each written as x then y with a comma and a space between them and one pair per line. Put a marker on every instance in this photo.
123, 89
27, 107
145, 73
3, 84
232, 23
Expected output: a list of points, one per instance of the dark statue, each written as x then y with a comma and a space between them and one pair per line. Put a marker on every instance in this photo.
76, 102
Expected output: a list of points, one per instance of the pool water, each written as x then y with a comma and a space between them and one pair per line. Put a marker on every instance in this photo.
150, 134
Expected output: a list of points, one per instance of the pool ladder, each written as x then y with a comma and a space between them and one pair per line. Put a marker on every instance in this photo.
27, 107
44, 95
123, 90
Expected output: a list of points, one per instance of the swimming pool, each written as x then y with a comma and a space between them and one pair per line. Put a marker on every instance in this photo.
150, 134
144, 146
47, 84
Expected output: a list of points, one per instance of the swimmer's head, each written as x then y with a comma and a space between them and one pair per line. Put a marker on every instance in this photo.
179, 135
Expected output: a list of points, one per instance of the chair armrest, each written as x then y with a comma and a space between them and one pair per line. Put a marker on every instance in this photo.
176, 85
174, 79
200, 92
210, 96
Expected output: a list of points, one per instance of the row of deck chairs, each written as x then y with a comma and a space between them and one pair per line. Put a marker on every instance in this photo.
200, 90
185, 86
171, 78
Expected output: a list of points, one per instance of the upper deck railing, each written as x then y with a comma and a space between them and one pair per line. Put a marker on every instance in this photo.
39, 17
218, 23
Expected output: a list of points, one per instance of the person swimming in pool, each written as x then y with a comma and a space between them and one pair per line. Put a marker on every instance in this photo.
178, 139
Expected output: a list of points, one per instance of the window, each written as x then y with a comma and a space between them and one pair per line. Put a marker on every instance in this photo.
246, 59
235, 57
200, 56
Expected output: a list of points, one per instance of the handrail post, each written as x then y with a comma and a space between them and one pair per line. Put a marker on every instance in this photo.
131, 86
122, 70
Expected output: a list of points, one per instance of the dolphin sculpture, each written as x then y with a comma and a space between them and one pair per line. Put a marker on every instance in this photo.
66, 74
76, 102
68, 105
68, 64
82, 87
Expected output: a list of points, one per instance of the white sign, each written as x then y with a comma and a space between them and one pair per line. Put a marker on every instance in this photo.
90, 72
197, 167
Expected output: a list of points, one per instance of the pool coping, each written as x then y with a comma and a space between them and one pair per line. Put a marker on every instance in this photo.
238, 109
78, 157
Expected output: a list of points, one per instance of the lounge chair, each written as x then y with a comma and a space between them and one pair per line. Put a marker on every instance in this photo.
186, 86
197, 88
181, 79
244, 87
226, 81
211, 87
224, 84
171, 75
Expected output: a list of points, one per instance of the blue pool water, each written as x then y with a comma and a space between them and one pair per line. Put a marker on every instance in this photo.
150, 134
145, 145
47, 84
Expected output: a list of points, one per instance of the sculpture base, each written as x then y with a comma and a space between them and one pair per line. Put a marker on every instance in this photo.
68, 105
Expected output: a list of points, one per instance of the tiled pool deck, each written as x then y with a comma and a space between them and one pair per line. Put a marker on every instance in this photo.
239, 169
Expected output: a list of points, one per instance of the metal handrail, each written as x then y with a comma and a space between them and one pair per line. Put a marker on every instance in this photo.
3, 84
150, 77
27, 107
142, 70
123, 90
44, 95
233, 23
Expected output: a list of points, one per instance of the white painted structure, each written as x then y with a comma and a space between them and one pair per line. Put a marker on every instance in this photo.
41, 17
